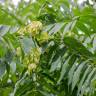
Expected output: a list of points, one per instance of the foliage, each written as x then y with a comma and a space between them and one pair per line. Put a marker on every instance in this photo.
47, 48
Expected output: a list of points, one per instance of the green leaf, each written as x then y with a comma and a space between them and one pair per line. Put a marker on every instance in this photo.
87, 81
48, 28
83, 79
74, 44
69, 26
8, 18
13, 67
4, 29
64, 69
2, 68
56, 28
83, 28
44, 93
27, 44
71, 72
77, 74
55, 64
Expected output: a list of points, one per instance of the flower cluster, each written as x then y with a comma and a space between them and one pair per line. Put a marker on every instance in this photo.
32, 29
32, 60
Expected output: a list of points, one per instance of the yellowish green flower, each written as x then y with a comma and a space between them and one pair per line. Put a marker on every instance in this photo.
18, 51
35, 54
31, 67
31, 60
32, 29
26, 60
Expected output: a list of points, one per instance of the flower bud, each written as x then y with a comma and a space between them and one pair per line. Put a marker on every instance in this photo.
34, 28
31, 67
18, 51
44, 37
